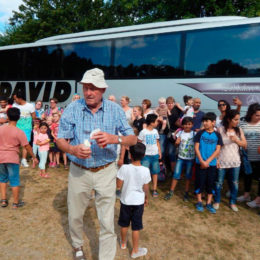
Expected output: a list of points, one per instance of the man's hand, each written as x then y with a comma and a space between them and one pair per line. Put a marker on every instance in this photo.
146, 203
103, 139
81, 151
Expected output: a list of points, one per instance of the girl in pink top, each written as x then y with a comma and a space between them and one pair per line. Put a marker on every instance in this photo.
44, 146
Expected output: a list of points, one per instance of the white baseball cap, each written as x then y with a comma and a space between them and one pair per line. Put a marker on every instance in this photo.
96, 77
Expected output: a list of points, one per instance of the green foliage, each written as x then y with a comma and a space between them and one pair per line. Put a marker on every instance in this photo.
37, 19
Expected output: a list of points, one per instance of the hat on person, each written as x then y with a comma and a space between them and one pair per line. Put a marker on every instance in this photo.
95, 77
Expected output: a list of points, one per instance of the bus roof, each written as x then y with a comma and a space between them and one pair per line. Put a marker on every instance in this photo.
143, 29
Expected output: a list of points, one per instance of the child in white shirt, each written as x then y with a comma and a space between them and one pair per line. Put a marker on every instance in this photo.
134, 180
150, 138
186, 156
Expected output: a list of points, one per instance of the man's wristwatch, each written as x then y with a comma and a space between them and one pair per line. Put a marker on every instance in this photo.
119, 140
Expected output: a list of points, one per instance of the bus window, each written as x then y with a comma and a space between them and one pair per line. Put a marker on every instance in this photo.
226, 51
147, 56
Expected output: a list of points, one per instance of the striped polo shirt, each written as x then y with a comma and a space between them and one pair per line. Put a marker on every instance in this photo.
252, 135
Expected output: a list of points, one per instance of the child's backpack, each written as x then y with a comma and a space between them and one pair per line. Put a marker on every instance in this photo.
161, 175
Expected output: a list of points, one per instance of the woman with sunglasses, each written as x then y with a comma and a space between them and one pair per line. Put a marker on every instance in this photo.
224, 106
251, 128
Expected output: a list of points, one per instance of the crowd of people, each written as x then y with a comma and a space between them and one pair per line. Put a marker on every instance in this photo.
144, 140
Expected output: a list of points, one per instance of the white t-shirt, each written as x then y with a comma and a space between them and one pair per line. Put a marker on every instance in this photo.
134, 177
25, 121
149, 139
186, 147
190, 111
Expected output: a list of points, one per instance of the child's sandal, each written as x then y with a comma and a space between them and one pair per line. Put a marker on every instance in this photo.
18, 205
4, 203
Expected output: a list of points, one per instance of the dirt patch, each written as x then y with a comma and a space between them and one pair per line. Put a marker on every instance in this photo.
172, 229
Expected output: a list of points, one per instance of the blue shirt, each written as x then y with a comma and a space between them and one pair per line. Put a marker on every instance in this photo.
197, 120
208, 144
77, 122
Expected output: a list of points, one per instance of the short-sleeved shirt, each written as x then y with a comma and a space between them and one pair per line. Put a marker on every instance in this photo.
197, 120
43, 137
252, 135
173, 118
138, 124
134, 178
25, 121
186, 147
78, 121
208, 144
11, 138
229, 156
149, 139
55, 129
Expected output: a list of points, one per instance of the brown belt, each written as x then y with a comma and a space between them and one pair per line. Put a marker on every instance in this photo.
96, 169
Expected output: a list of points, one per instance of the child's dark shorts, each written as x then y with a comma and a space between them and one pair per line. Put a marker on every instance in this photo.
133, 214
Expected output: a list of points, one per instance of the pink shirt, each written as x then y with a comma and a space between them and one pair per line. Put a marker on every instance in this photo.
43, 137
11, 138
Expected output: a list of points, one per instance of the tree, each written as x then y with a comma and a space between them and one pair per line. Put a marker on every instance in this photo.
37, 19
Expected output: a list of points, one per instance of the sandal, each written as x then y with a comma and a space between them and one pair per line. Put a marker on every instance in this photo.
4, 203
18, 205
46, 175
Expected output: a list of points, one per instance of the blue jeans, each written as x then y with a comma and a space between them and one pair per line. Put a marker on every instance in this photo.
166, 145
10, 172
151, 162
163, 144
233, 176
43, 159
181, 163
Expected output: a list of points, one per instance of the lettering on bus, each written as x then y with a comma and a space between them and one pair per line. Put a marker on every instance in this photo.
34, 90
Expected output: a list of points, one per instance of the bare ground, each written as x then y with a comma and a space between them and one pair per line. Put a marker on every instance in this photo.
172, 229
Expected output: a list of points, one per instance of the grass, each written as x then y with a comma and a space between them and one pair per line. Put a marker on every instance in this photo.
172, 229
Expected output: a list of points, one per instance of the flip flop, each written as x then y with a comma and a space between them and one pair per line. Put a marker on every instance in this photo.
4, 203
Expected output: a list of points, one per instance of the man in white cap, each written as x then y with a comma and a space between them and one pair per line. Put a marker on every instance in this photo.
93, 154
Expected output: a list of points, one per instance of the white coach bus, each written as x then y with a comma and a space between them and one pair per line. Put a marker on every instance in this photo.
211, 58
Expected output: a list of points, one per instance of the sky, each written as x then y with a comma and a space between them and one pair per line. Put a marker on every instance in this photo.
6, 8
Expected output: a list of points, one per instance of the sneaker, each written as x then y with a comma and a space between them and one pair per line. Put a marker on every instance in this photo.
199, 207
53, 164
24, 163
141, 252
186, 197
210, 208
155, 194
122, 245
78, 254
234, 207
252, 204
50, 164
243, 198
169, 195
216, 206
118, 194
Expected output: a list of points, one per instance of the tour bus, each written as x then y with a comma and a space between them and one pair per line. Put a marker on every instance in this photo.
211, 58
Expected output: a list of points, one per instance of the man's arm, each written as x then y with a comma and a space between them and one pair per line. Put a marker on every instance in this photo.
103, 138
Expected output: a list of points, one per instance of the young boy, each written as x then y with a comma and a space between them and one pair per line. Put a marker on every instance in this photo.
11, 138
135, 180
150, 138
186, 156
207, 147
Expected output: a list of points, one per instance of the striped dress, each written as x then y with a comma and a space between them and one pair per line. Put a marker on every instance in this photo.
252, 135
